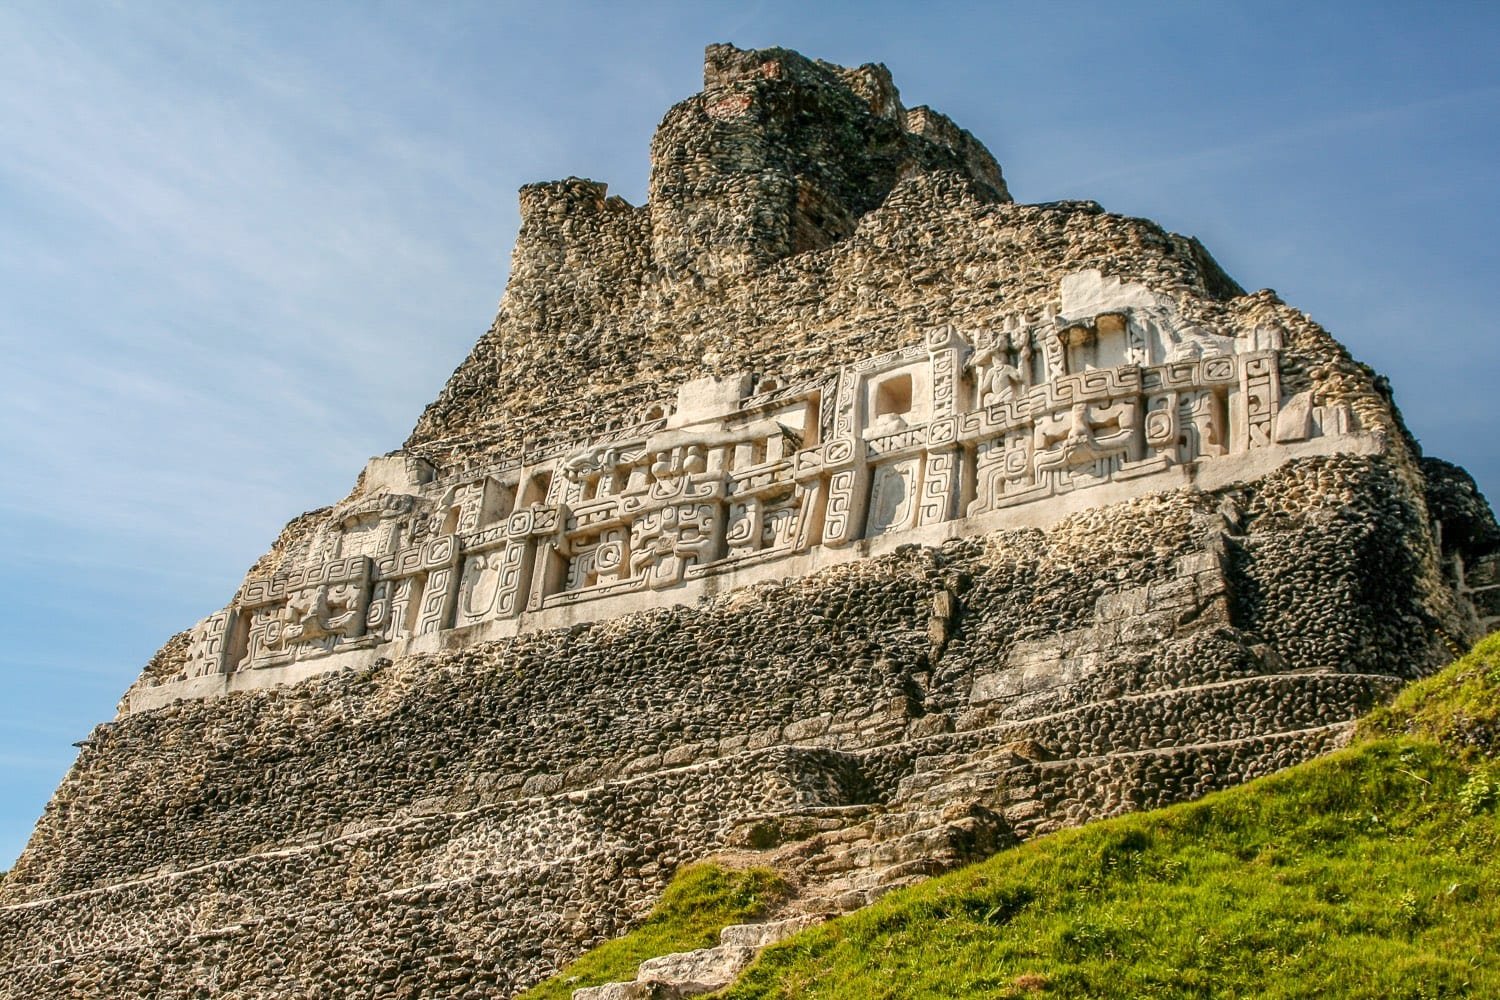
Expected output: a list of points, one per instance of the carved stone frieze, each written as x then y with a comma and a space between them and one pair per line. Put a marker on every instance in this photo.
1111, 385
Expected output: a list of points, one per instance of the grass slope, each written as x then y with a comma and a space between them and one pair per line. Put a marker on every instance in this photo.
1370, 873
701, 900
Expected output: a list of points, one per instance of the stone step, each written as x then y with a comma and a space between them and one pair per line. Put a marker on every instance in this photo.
933, 774
760, 830
838, 899
936, 822
939, 762
914, 783
627, 991
765, 934
976, 785
921, 826
864, 887
1024, 811
919, 778
895, 884
893, 825
927, 843
950, 840
693, 973
845, 814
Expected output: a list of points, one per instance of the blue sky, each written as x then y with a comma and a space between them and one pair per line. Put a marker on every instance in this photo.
241, 245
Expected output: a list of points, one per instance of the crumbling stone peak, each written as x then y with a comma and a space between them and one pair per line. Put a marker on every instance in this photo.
831, 511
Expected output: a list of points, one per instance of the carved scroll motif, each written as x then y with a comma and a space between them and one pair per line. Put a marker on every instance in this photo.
470, 501
1005, 471
664, 543
1259, 385
1202, 421
944, 345
436, 610
208, 646
599, 561
781, 522
1161, 425
839, 524
390, 613
939, 487
378, 618
844, 411
264, 640
742, 534
515, 577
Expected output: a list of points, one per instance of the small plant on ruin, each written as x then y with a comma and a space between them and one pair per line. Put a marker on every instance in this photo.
1480, 792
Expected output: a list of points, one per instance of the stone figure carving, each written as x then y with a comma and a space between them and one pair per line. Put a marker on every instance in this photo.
322, 614
1002, 367
759, 523
1003, 382
1087, 434
315, 618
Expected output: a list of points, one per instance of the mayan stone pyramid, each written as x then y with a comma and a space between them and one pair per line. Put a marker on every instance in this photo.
832, 508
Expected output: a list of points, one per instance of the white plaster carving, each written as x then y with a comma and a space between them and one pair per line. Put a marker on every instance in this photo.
1113, 387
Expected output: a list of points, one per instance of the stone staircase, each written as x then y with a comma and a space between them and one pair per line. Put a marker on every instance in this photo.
957, 803
945, 813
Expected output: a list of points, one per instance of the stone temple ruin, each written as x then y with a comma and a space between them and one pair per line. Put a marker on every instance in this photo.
831, 508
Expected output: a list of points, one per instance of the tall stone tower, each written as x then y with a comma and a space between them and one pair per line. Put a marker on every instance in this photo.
832, 498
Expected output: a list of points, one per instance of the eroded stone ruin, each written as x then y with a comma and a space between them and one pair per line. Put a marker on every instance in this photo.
832, 508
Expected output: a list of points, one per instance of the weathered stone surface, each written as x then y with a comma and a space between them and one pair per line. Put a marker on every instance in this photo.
832, 510
695, 972
767, 933
627, 991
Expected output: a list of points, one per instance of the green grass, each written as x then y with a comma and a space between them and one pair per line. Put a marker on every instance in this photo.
1374, 872
1371, 873
700, 901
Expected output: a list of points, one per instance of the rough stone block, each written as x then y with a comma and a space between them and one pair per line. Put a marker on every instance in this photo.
1171, 595
805, 729
626, 991
695, 972
756, 936
1121, 604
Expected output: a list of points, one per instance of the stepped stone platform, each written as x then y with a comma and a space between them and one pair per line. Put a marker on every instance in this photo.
831, 511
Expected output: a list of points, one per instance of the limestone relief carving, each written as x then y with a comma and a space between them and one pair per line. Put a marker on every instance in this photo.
1111, 384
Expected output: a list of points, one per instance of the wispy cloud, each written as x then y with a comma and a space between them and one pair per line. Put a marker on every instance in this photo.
1274, 142
252, 245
